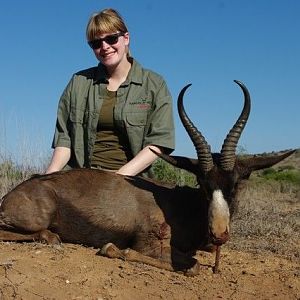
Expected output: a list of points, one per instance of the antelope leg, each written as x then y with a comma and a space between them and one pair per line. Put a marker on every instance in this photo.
112, 251
17, 237
42, 236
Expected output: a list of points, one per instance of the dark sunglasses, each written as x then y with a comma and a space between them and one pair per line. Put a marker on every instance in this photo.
109, 39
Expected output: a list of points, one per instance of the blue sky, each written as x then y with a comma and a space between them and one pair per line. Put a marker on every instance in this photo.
207, 43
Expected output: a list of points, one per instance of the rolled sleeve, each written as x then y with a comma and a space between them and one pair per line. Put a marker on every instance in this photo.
61, 135
160, 129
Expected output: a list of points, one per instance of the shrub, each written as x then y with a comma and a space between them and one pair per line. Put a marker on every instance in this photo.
287, 174
165, 172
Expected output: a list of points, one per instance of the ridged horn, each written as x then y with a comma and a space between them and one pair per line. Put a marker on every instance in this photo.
230, 143
202, 148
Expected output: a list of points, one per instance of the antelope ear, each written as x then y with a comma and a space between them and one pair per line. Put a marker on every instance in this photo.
260, 161
188, 164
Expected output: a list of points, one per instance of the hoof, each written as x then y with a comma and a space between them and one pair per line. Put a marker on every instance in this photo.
111, 251
104, 248
49, 237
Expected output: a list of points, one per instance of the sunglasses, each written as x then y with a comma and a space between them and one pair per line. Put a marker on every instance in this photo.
109, 39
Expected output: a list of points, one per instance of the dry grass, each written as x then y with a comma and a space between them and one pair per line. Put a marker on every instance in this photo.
268, 219
11, 175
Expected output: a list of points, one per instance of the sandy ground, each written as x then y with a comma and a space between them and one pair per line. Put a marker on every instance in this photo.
37, 271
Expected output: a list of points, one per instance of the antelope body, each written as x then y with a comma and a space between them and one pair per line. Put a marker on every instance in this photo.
135, 218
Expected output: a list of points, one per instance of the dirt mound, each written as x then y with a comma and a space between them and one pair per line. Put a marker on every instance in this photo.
36, 271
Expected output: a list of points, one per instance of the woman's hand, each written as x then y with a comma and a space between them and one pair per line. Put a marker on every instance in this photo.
140, 162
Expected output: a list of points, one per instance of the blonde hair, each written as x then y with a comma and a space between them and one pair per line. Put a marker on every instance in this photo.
105, 21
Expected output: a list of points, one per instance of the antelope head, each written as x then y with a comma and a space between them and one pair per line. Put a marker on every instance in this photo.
219, 174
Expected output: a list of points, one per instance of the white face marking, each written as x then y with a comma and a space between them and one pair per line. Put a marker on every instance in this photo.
218, 214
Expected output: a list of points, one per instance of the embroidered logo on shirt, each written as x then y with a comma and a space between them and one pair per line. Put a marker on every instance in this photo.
141, 104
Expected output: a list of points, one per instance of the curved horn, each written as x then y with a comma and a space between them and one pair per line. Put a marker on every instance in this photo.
231, 141
203, 150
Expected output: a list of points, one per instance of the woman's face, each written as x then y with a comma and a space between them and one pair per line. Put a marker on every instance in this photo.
111, 48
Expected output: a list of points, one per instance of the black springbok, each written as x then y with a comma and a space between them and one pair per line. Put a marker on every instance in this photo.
134, 218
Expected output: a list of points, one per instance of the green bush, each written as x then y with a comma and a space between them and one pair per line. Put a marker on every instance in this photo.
165, 172
287, 174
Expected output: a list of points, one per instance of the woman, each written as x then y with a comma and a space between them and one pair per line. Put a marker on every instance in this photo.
110, 115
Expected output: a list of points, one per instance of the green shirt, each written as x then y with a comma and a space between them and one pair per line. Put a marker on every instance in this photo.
143, 112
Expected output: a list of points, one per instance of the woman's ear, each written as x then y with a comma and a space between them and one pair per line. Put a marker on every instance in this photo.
126, 38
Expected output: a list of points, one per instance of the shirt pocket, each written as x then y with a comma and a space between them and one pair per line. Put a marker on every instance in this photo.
136, 119
136, 127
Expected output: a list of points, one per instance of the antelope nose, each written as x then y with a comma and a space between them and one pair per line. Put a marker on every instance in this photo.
220, 239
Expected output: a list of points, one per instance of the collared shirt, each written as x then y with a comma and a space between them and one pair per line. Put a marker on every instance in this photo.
143, 112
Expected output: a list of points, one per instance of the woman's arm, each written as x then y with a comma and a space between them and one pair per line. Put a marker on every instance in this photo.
61, 141
140, 162
60, 158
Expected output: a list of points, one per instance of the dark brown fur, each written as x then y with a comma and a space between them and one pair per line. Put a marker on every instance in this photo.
103, 209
